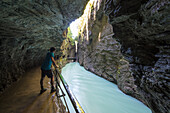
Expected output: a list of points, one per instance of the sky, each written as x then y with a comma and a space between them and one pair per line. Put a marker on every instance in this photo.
74, 28
74, 24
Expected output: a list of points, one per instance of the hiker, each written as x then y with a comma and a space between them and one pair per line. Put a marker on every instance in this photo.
46, 69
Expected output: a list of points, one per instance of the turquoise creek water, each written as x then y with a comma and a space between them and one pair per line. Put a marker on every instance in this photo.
97, 95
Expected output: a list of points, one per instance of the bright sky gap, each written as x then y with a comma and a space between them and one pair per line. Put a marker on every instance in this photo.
74, 28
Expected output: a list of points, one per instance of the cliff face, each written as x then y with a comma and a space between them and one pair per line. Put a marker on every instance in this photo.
142, 29
28, 28
100, 53
137, 56
130, 46
67, 50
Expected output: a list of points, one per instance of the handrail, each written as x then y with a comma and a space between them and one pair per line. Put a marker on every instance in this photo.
62, 94
71, 96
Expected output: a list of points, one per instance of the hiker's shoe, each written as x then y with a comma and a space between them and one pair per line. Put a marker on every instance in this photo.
53, 90
42, 90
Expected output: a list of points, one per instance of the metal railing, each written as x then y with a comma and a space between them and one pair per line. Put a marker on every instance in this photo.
76, 105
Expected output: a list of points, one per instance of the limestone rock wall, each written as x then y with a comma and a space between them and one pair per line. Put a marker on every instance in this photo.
67, 50
99, 53
28, 28
137, 56
143, 30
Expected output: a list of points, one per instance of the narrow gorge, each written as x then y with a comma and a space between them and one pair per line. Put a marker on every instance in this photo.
125, 42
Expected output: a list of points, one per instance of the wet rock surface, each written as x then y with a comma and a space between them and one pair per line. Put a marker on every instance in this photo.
137, 56
101, 54
132, 49
68, 51
23, 96
142, 28
28, 29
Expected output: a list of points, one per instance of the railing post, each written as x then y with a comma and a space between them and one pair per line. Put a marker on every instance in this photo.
70, 95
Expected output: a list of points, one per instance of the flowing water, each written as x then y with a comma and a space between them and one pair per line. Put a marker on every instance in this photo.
97, 95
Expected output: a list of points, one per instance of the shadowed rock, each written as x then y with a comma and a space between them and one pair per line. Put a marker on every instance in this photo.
142, 29
28, 29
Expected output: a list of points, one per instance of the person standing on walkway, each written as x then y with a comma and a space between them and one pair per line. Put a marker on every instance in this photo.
46, 70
